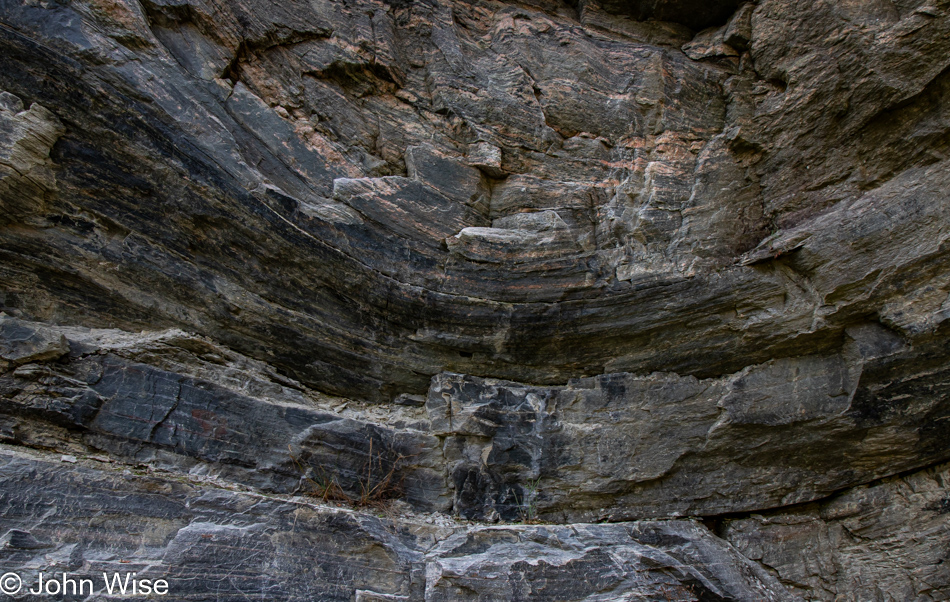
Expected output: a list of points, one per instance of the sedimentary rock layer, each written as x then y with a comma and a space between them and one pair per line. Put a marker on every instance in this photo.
341, 190
644, 262
210, 424
220, 543
216, 544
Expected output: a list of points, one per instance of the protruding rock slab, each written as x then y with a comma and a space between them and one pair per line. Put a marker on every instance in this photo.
206, 543
408, 208
453, 179
676, 560
176, 400
26, 175
620, 446
24, 342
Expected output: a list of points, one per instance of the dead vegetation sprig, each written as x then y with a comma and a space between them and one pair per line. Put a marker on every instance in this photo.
371, 494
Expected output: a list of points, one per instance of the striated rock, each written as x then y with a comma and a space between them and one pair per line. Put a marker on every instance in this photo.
273, 111
738, 32
22, 343
597, 448
452, 178
26, 177
603, 260
209, 542
633, 561
775, 434
242, 124
866, 93
691, 13
592, 450
873, 542
487, 158
174, 400
205, 542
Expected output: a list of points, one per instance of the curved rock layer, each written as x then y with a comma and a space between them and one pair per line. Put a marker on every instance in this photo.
366, 195
678, 266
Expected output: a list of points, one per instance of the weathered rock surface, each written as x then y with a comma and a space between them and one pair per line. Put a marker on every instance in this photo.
270, 142
21, 343
877, 542
487, 449
178, 401
208, 543
597, 260
217, 544
249, 197
775, 434
625, 561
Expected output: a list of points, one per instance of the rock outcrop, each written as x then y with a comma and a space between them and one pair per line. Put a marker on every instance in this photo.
871, 542
221, 544
666, 281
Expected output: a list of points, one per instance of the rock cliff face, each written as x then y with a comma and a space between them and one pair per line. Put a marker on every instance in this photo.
477, 300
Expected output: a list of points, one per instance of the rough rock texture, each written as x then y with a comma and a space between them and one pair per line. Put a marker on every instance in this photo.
601, 448
292, 158
219, 544
600, 260
885, 541
625, 561
174, 400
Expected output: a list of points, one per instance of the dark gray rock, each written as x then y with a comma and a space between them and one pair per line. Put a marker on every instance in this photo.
450, 177
871, 542
596, 448
24, 342
662, 258
207, 543
260, 433
622, 446
676, 560
692, 13
217, 544
23, 540
271, 108
283, 104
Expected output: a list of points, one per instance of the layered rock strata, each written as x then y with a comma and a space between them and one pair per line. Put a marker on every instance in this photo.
677, 266
173, 417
